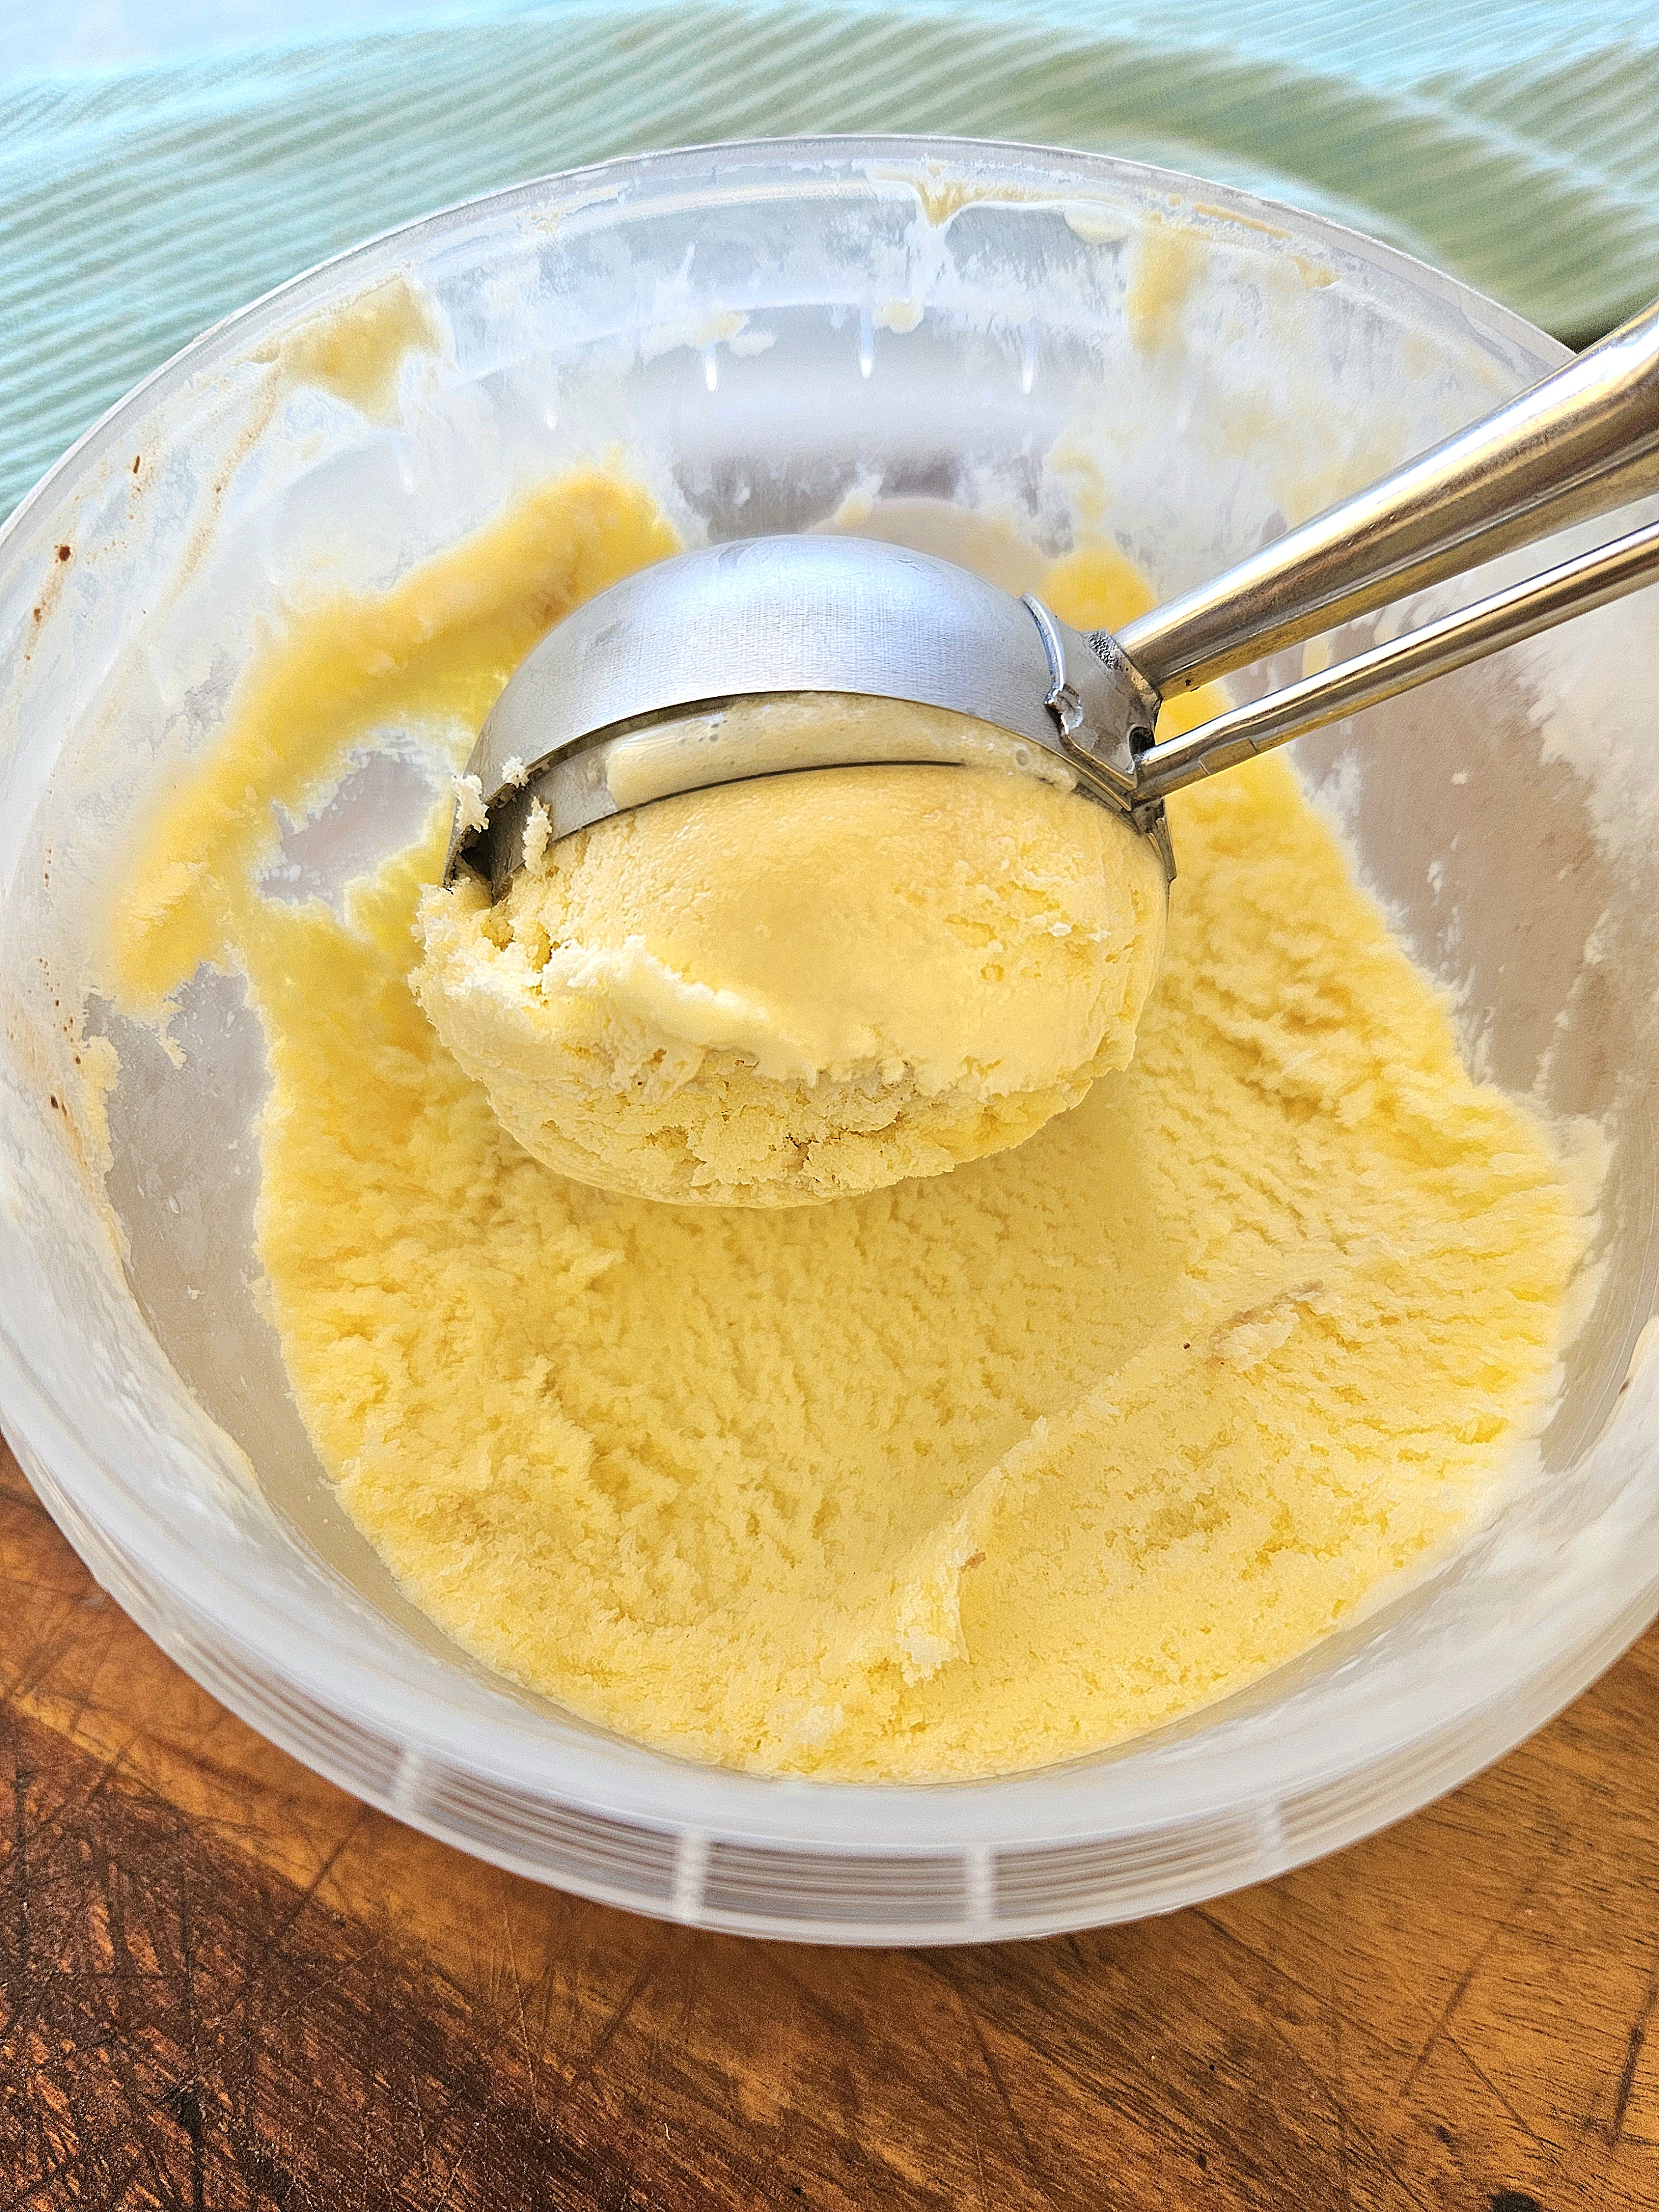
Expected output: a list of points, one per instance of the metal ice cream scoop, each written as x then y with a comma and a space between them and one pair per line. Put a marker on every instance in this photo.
770, 618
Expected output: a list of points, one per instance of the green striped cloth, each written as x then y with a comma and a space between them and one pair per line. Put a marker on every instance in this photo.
1514, 144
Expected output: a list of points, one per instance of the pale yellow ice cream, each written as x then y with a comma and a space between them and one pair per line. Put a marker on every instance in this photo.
976, 1472
802, 986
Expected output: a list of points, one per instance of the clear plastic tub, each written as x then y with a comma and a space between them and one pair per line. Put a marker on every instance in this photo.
778, 333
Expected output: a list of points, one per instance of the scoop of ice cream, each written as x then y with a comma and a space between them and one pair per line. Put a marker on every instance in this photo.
804, 985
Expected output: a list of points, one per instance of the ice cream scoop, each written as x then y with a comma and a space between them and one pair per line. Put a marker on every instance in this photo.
773, 988
595, 720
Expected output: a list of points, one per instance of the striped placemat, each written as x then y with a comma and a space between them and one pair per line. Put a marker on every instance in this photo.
1513, 145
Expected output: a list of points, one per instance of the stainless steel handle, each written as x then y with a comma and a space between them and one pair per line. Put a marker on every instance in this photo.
1582, 441
1572, 588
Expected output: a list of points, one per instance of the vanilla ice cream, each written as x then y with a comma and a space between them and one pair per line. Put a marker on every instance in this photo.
801, 986
955, 1477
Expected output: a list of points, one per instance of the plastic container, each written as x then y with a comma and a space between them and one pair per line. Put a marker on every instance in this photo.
779, 332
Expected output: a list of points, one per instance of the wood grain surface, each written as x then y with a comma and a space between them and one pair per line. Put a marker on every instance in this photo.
225, 1985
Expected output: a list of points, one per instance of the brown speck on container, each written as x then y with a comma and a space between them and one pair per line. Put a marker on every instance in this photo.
62, 552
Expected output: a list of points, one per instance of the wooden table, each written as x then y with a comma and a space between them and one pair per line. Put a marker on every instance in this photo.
224, 1984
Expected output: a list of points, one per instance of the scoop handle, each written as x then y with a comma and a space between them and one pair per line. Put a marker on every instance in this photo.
1583, 441
1590, 580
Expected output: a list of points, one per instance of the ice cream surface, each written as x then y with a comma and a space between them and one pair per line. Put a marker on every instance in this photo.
966, 1474
803, 987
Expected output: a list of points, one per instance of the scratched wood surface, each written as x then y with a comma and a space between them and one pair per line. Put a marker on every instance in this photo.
225, 1986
